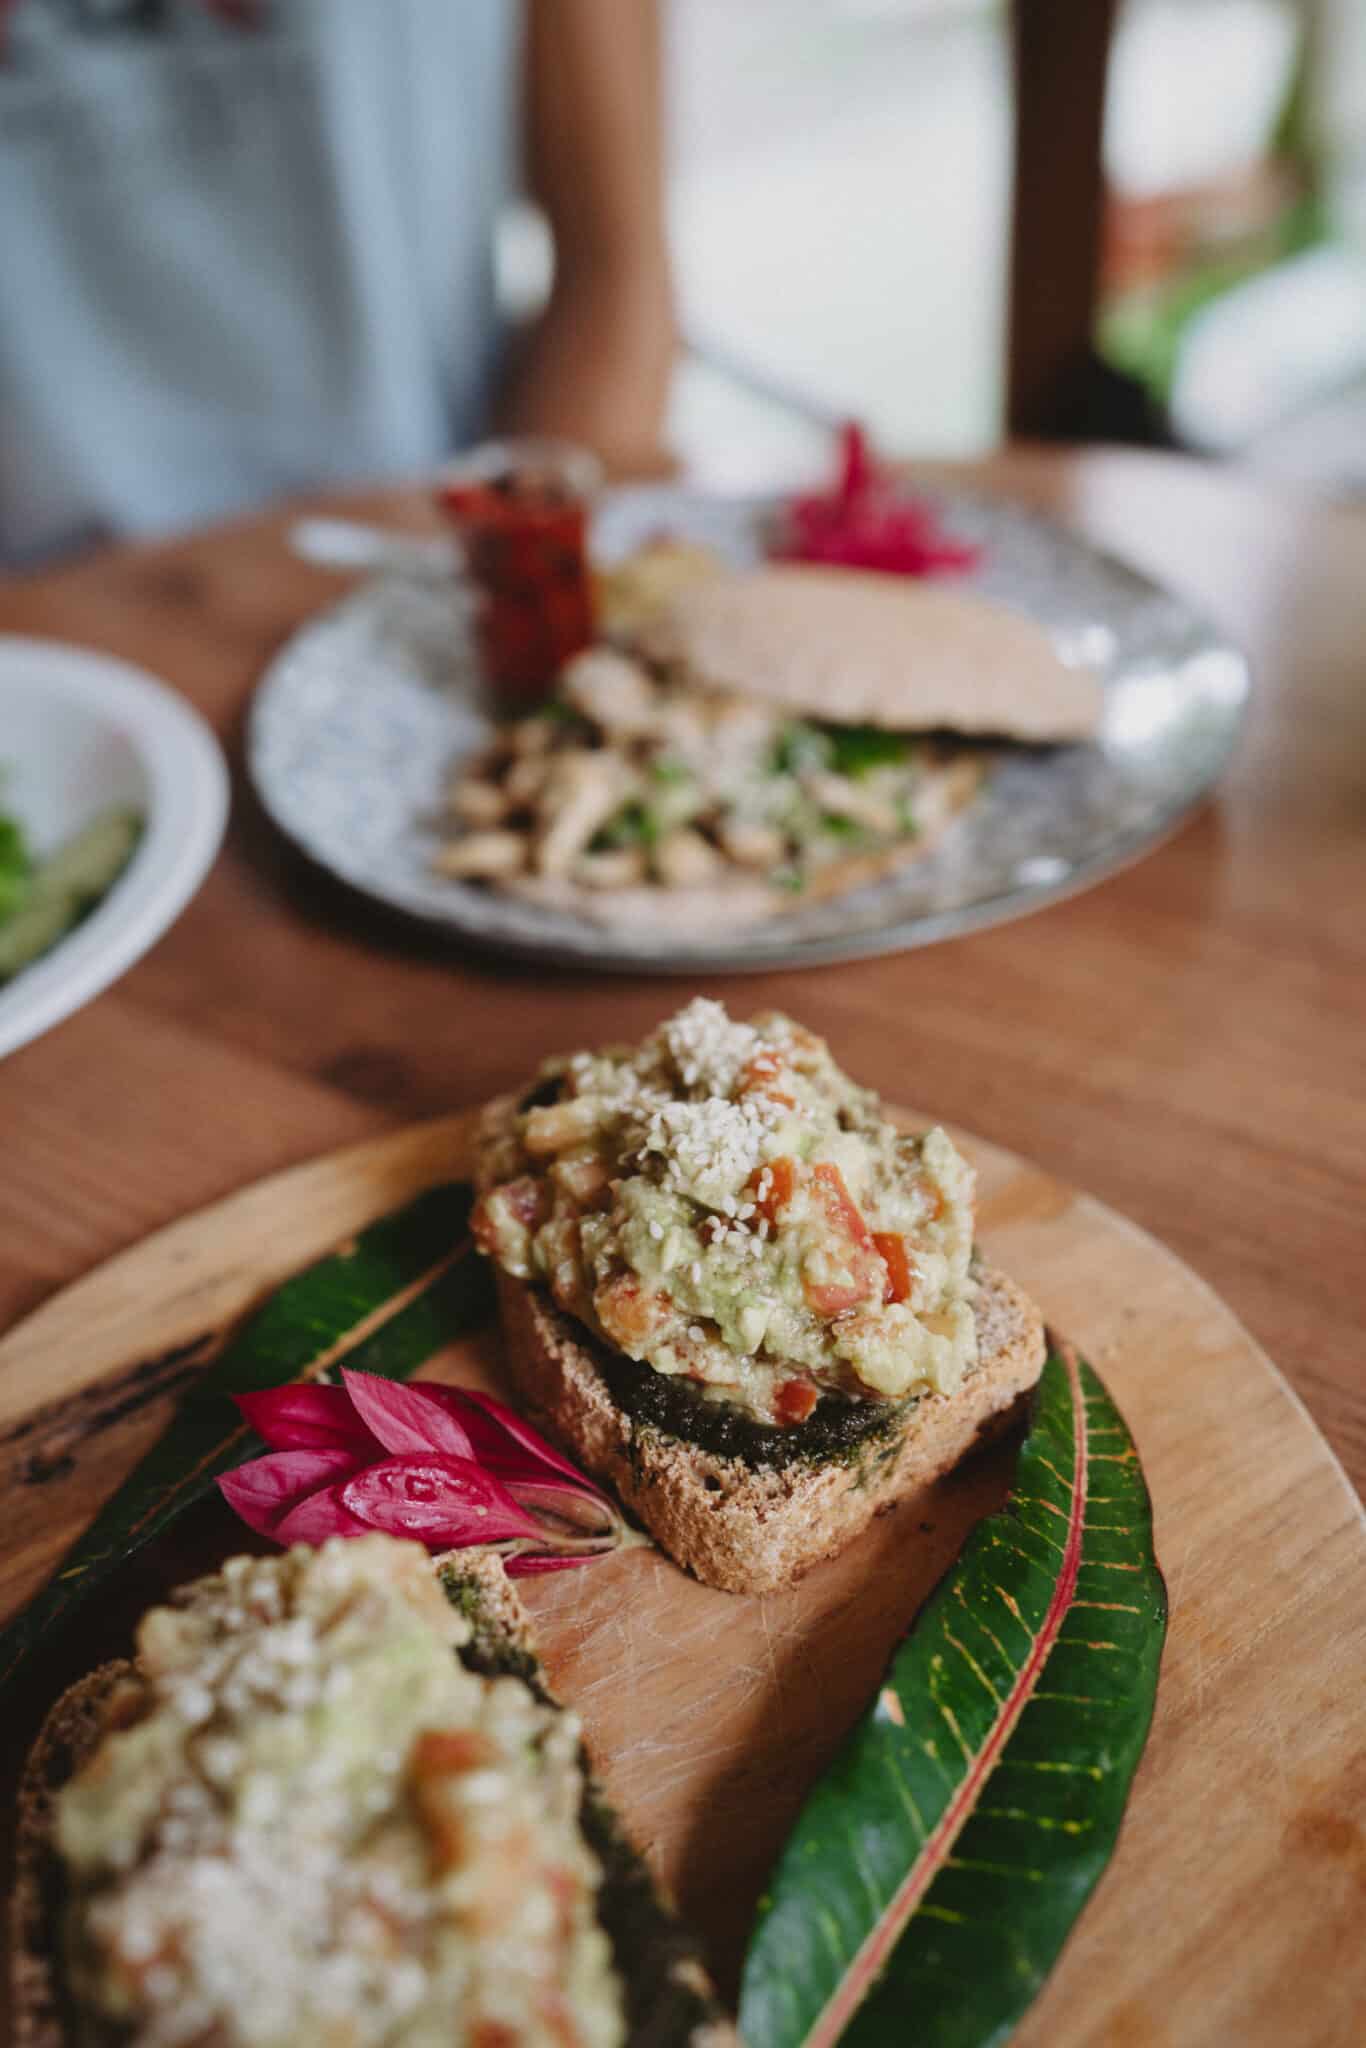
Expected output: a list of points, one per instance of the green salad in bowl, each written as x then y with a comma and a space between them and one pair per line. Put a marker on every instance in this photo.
42, 898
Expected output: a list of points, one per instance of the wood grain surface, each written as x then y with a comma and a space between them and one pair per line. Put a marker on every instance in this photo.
1186, 1041
1232, 1910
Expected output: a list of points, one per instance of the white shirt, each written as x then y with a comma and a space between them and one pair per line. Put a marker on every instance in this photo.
240, 259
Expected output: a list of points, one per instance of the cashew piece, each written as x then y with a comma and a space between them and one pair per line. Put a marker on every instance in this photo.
580, 794
482, 857
683, 859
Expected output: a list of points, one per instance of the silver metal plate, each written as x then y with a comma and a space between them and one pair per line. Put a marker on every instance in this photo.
357, 722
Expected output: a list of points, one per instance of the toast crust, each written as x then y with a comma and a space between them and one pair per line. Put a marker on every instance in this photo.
747, 1529
67, 1738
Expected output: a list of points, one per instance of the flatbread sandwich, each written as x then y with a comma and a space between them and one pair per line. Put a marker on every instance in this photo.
754, 742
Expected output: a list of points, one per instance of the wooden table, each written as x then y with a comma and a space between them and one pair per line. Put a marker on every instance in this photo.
1188, 1042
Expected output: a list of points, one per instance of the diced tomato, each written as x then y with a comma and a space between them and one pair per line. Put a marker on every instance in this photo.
632, 1314
440, 1751
899, 1263
852, 1247
492, 2034
794, 1401
779, 1181
831, 1298
566, 1890
934, 1200
761, 1076
839, 1204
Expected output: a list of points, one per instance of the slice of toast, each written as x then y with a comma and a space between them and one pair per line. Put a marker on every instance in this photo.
669, 1999
69, 1736
746, 1525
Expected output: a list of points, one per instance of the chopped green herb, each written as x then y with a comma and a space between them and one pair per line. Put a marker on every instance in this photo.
790, 877
800, 747
857, 749
905, 812
668, 771
842, 828
635, 824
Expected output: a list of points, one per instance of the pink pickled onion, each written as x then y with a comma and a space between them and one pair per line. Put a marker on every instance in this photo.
868, 521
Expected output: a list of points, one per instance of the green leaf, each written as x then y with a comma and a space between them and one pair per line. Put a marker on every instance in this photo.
935, 1871
385, 1303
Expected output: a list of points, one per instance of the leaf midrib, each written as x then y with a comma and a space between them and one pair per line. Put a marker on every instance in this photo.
877, 1945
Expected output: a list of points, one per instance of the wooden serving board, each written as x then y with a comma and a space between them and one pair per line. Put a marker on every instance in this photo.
1233, 1910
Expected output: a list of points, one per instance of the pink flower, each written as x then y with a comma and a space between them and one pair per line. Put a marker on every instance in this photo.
443, 1466
868, 521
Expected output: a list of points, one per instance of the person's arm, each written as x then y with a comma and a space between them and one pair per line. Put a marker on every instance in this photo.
597, 366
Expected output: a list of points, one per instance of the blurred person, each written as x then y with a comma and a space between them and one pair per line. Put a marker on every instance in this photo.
246, 247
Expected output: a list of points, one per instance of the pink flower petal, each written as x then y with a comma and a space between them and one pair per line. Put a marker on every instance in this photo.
442, 1502
409, 1420
264, 1492
575, 1508
499, 1432
305, 1417
526, 1566
323, 1514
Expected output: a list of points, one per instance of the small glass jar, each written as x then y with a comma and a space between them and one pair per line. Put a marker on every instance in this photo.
520, 509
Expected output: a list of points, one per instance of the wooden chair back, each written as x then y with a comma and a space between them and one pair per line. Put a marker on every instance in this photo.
1056, 387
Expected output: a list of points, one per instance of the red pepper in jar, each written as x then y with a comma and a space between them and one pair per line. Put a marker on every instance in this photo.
523, 520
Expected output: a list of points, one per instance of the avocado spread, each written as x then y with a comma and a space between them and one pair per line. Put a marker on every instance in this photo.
724, 1206
308, 1821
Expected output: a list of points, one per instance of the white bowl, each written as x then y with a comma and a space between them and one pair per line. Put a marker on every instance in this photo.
79, 732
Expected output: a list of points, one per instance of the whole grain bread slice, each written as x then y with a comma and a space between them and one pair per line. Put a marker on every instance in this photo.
68, 1737
670, 2002
755, 1527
